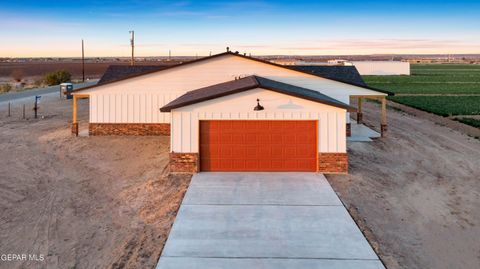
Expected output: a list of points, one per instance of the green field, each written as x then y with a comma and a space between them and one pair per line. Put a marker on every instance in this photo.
432, 79
470, 121
442, 105
443, 81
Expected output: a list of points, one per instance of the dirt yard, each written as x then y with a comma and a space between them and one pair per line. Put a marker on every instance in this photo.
86, 202
416, 194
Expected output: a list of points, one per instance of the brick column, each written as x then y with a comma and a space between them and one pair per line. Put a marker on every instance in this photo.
383, 130
383, 125
359, 117
349, 129
333, 163
359, 110
75, 128
184, 163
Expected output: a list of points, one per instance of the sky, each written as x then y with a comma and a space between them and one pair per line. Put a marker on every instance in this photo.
336, 27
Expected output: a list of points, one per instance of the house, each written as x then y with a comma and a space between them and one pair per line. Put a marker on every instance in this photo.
230, 112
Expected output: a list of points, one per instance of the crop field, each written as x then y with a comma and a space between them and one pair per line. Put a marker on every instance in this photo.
443, 89
432, 79
443, 105
470, 121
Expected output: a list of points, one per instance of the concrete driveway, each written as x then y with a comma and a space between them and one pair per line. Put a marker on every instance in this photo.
264, 220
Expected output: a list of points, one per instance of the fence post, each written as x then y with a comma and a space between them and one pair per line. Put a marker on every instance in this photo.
23, 111
9, 109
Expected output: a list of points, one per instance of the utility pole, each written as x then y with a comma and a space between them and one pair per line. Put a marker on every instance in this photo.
132, 43
83, 63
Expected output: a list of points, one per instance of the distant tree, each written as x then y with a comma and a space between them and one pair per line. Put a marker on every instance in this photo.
17, 75
57, 77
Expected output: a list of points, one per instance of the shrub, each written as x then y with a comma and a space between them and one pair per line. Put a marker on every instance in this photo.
5, 88
57, 77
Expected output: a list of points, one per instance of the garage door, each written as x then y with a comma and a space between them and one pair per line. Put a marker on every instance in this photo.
258, 145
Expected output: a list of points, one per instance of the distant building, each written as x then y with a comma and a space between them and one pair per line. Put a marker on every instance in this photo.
382, 68
378, 68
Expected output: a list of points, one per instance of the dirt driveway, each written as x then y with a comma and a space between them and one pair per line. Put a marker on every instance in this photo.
416, 193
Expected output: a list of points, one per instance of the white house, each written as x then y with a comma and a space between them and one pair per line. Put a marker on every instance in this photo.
207, 105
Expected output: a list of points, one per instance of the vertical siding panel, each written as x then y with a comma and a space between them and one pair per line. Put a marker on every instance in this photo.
332, 132
194, 133
136, 108
106, 106
162, 103
155, 108
98, 108
186, 131
150, 108
130, 111
142, 103
123, 104
111, 103
176, 127
146, 108
101, 112
93, 108
323, 132
341, 133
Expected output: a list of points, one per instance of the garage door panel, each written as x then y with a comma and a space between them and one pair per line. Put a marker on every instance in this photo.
258, 145
238, 139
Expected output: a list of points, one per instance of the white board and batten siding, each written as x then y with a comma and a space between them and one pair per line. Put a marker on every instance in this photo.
185, 120
130, 107
168, 84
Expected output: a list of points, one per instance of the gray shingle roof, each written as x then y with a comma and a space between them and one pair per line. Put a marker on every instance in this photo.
347, 74
116, 72
248, 83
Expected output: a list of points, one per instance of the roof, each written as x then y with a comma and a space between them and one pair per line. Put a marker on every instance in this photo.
248, 83
336, 72
238, 55
116, 72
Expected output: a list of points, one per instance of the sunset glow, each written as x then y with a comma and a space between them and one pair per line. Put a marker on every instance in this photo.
47, 28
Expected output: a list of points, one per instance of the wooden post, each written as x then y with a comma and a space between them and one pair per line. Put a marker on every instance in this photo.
23, 111
383, 125
74, 121
9, 108
359, 110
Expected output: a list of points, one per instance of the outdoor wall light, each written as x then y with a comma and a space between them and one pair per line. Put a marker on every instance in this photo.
258, 107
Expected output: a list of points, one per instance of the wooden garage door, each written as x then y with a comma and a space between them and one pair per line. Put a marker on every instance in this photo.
258, 145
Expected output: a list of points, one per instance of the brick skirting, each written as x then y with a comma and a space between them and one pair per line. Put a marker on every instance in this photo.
135, 129
359, 117
75, 129
184, 162
383, 130
333, 163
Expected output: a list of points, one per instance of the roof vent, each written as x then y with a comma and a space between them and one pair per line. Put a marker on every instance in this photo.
228, 49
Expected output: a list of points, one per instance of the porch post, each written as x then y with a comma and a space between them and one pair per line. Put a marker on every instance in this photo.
359, 111
74, 120
383, 125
